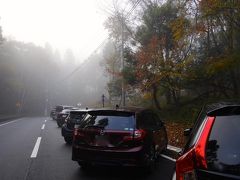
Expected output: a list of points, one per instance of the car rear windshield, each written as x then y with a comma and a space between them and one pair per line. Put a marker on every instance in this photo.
223, 147
77, 115
59, 108
121, 121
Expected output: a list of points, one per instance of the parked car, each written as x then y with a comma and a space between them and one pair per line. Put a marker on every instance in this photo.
213, 148
126, 137
62, 116
74, 117
52, 113
60, 108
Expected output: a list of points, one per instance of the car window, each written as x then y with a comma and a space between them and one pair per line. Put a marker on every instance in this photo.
147, 120
196, 131
157, 120
59, 108
223, 147
77, 115
68, 107
109, 122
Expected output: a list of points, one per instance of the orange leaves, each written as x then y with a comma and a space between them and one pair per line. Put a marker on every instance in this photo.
201, 27
148, 60
179, 27
211, 7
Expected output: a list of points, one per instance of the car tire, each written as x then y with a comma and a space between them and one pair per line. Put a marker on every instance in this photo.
150, 159
59, 124
68, 140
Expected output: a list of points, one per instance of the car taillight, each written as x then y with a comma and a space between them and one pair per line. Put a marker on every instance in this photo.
195, 157
138, 134
77, 133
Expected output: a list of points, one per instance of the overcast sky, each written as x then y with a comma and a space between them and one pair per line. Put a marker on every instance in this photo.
74, 24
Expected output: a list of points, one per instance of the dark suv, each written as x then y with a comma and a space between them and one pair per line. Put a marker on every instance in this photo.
126, 137
59, 108
61, 117
213, 148
52, 113
74, 117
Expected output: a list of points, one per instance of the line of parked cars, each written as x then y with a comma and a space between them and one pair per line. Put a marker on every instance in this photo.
136, 137
119, 137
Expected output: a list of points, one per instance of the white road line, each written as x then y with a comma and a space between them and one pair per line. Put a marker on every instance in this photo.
173, 148
36, 147
45, 120
167, 157
10, 122
43, 126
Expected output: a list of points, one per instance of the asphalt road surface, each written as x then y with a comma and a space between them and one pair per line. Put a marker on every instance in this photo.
33, 149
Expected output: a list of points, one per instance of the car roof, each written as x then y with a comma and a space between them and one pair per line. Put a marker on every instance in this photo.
121, 109
222, 108
78, 110
64, 106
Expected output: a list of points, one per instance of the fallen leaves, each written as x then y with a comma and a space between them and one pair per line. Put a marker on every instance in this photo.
175, 133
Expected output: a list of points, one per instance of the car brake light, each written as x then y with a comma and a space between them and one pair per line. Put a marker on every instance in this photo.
195, 157
77, 133
138, 134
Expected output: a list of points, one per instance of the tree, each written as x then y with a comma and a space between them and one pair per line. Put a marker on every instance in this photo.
1, 37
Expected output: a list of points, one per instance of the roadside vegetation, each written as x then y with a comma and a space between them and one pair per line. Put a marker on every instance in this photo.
170, 55
178, 55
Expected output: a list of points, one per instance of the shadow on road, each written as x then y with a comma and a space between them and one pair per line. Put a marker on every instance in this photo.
110, 173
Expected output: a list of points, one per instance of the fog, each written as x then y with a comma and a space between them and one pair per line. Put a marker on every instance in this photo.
158, 54
34, 79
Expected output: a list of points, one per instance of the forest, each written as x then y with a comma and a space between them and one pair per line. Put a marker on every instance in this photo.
170, 55
34, 79
177, 54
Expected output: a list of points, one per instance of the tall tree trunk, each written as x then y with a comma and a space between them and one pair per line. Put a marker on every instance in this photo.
155, 99
231, 49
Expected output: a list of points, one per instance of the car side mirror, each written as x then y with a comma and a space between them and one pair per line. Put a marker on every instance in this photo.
187, 132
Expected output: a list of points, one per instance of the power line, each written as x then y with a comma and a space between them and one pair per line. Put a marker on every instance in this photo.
81, 65
133, 8
99, 46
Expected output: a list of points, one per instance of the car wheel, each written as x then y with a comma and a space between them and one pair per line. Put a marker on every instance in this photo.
150, 159
165, 146
68, 140
59, 124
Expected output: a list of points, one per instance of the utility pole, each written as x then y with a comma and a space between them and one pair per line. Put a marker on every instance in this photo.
103, 100
122, 61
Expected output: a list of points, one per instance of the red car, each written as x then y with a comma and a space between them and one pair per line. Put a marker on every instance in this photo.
126, 137
213, 148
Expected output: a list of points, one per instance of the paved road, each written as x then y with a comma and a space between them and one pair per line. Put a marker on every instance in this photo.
21, 159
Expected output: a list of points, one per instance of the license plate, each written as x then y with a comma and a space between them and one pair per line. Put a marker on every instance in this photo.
101, 140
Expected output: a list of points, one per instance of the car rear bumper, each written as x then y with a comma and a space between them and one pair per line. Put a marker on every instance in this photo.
66, 132
128, 157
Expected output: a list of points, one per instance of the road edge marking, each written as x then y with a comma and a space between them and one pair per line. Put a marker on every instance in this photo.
167, 157
36, 147
3, 124
173, 148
